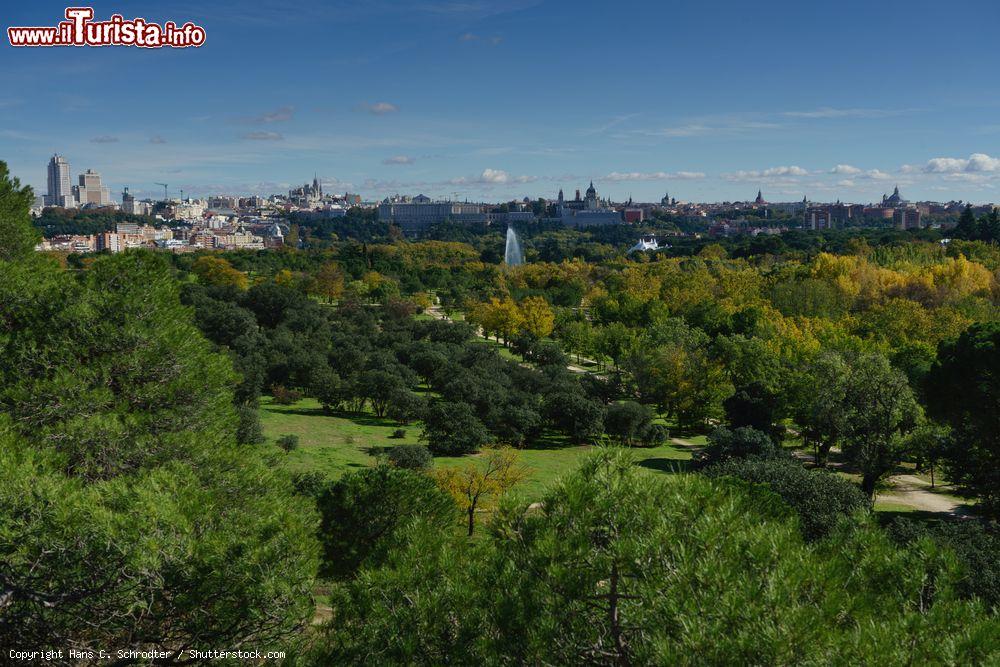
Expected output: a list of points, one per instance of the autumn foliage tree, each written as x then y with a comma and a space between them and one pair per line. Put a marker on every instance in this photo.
476, 487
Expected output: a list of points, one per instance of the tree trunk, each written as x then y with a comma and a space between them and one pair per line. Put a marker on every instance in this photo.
823, 453
868, 482
472, 518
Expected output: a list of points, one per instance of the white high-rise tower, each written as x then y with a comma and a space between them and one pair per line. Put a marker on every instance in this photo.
60, 190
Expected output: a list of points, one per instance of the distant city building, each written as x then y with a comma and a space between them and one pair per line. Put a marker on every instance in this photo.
307, 196
134, 206
90, 191
586, 211
60, 190
906, 217
416, 214
893, 200
223, 203
633, 214
819, 218
759, 201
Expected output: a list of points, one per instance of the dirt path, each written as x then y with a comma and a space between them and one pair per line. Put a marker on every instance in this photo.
914, 492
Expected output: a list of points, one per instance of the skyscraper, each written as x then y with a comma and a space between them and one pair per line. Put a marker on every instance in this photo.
91, 191
60, 192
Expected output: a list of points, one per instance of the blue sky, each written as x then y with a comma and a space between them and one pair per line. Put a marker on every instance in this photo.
708, 100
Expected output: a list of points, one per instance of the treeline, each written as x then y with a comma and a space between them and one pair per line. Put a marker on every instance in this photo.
59, 221
357, 359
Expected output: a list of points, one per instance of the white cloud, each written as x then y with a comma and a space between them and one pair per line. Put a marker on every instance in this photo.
494, 176
491, 177
828, 112
278, 115
398, 159
975, 163
770, 173
877, 175
379, 108
263, 136
654, 176
845, 169
707, 129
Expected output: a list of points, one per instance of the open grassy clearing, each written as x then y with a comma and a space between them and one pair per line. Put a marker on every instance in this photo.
334, 444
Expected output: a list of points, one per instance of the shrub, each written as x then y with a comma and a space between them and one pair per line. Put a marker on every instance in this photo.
411, 457
398, 434
248, 428
820, 498
288, 442
365, 511
627, 421
741, 443
655, 435
975, 543
284, 396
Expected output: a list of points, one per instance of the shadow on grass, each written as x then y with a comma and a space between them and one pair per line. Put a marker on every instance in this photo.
885, 517
548, 441
666, 465
305, 412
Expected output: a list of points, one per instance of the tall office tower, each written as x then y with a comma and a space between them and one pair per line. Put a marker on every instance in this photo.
60, 192
91, 191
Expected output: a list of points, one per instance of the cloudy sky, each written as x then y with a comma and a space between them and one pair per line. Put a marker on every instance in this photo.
510, 98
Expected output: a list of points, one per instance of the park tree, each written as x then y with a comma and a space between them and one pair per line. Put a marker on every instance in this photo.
619, 567
963, 390
881, 411
967, 227
821, 499
477, 487
537, 319
17, 235
628, 421
126, 502
573, 413
819, 404
365, 512
615, 341
989, 226
453, 428
218, 272
329, 282
741, 443
577, 337
754, 405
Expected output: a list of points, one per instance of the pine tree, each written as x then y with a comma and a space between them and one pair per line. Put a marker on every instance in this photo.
967, 228
989, 227
129, 515
17, 235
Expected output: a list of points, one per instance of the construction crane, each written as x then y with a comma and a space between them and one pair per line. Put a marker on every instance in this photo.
165, 198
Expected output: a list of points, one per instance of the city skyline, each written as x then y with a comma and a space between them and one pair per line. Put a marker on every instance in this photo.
493, 101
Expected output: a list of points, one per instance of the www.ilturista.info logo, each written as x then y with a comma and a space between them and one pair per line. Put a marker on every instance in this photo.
79, 29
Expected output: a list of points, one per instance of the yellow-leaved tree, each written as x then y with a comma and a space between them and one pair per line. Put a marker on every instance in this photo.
537, 318
478, 486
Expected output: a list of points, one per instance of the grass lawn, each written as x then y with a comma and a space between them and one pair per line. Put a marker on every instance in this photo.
333, 444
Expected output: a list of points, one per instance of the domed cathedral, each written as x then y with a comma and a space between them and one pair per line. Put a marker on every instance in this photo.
587, 210
893, 200
591, 198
